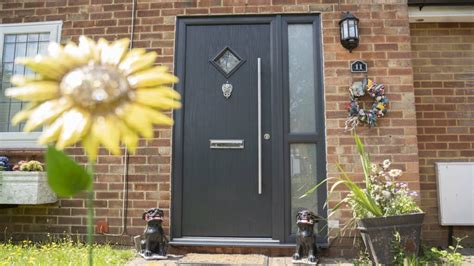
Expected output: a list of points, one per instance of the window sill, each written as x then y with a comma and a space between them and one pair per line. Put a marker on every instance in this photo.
21, 146
20, 140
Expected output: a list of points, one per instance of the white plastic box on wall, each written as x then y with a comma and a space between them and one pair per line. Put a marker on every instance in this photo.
455, 192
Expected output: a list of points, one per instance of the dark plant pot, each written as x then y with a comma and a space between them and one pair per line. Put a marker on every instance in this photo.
378, 234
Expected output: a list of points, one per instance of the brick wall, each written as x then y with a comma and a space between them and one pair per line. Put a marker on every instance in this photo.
443, 66
385, 45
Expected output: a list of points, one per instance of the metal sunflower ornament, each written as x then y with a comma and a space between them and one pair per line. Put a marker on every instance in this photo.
98, 93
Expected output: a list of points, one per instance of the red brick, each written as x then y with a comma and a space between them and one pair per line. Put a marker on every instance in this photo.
283, 2
208, 3
450, 139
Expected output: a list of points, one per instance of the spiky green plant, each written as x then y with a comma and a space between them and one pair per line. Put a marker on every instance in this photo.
368, 200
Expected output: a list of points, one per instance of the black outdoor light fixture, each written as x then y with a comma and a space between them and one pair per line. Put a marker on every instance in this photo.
349, 31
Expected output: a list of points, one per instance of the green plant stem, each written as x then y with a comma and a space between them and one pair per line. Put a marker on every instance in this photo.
90, 213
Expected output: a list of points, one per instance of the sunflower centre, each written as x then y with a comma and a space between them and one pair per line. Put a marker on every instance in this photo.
96, 87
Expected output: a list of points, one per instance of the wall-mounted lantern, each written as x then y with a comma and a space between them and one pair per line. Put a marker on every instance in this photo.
349, 31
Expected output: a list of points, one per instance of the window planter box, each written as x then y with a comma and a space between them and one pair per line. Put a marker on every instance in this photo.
25, 188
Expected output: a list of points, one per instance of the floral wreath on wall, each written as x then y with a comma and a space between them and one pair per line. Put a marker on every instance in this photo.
359, 115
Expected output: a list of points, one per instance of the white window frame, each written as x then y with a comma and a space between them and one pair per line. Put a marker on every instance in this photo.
15, 140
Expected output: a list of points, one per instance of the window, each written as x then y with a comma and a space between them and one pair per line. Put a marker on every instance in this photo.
20, 40
305, 126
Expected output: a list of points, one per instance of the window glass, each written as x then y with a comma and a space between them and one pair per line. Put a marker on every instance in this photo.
301, 78
303, 177
17, 45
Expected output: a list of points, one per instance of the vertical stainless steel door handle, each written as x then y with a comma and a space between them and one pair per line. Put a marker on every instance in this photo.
259, 121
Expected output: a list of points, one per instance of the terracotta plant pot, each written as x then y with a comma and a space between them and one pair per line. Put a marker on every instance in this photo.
25, 188
378, 234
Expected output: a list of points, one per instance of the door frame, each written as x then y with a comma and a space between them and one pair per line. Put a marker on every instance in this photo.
279, 168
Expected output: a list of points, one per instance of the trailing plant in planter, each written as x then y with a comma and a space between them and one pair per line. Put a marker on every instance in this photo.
382, 208
30, 166
5, 164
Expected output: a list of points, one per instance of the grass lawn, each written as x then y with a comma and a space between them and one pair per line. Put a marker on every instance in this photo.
64, 252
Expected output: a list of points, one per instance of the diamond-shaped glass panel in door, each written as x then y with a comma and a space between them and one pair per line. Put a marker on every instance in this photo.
227, 61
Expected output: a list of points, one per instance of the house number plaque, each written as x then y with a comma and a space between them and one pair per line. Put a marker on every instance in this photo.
358, 66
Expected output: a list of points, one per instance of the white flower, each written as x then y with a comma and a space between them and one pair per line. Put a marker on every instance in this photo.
386, 164
395, 172
386, 194
373, 167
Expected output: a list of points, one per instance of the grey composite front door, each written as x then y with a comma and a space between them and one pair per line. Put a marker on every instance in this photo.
239, 179
220, 185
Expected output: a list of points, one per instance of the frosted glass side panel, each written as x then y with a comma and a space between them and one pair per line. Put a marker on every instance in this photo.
301, 78
303, 177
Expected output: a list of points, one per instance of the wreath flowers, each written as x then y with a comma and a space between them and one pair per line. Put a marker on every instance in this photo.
359, 115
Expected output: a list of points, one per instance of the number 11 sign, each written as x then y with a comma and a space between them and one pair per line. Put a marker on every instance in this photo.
358, 66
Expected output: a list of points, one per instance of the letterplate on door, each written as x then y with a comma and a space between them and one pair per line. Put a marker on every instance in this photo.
226, 143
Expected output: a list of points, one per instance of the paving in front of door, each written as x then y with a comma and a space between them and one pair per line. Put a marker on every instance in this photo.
236, 259
231, 259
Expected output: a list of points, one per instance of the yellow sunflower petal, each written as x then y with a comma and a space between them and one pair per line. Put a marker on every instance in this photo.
154, 116
101, 45
45, 113
34, 91
105, 129
170, 93
76, 124
57, 52
74, 51
136, 60
115, 52
51, 133
43, 65
128, 136
91, 143
89, 49
137, 121
152, 77
159, 98
24, 114
20, 80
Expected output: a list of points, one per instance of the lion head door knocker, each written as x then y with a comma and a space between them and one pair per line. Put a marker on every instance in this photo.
227, 89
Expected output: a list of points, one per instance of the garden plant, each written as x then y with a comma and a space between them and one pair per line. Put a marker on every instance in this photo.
382, 202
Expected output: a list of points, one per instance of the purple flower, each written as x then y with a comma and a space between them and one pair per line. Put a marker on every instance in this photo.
414, 193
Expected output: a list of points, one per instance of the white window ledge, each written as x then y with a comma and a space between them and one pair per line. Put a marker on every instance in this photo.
20, 140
